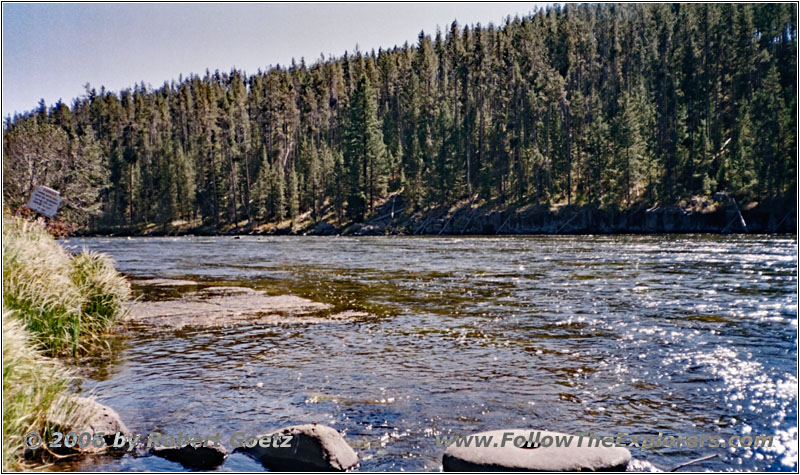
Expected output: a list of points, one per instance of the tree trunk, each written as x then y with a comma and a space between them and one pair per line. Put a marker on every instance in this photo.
246, 204
214, 191
567, 140
130, 194
233, 188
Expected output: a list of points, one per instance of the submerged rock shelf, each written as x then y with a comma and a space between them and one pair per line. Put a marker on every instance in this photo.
225, 306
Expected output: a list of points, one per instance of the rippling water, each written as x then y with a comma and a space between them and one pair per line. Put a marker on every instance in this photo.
640, 334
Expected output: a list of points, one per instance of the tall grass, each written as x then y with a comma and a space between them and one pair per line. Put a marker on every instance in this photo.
53, 304
104, 294
32, 386
66, 302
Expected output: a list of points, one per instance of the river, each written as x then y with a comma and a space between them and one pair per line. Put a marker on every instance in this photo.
678, 334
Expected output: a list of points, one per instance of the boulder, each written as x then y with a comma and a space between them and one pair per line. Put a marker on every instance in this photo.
371, 230
324, 229
574, 455
81, 414
203, 457
313, 447
352, 230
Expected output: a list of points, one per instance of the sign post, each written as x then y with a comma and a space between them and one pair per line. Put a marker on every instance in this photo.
45, 200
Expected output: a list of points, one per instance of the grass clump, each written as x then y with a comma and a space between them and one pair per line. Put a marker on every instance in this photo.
53, 304
104, 292
37, 283
67, 303
32, 385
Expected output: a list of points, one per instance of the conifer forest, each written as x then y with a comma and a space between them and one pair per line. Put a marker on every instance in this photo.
606, 105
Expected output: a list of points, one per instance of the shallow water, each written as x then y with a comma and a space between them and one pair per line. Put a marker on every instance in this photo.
684, 335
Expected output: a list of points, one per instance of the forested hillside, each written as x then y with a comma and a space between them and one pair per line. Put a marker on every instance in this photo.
601, 105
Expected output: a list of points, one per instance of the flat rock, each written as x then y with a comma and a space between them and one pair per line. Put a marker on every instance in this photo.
225, 306
222, 291
204, 457
88, 415
313, 447
348, 315
165, 282
568, 458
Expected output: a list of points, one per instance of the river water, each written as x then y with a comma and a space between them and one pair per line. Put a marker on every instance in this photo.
683, 335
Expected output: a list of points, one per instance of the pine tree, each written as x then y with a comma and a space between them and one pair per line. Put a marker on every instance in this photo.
768, 111
277, 195
629, 148
412, 163
364, 152
292, 197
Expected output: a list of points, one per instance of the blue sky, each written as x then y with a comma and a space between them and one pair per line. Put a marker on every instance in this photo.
51, 50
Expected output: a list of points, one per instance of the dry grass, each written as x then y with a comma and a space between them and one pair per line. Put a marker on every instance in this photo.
104, 295
32, 385
67, 303
53, 304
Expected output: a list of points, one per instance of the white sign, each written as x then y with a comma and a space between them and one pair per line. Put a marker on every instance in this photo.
45, 200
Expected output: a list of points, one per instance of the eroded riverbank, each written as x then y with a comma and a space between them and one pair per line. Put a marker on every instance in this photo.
466, 217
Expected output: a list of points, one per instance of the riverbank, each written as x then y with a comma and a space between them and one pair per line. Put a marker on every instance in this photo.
714, 215
55, 306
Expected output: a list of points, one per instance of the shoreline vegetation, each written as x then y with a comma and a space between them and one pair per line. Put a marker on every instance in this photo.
56, 307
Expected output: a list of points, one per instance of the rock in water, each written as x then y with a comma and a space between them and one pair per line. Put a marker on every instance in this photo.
204, 457
324, 229
312, 447
81, 414
214, 307
569, 457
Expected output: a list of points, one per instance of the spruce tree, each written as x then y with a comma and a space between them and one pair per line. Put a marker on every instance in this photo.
364, 152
